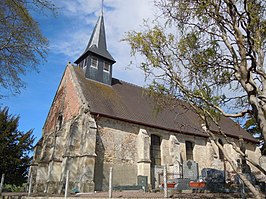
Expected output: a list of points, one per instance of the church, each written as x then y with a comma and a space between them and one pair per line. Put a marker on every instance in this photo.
97, 122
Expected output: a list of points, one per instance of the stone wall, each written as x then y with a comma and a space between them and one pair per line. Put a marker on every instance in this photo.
126, 147
262, 162
88, 145
66, 103
115, 147
68, 142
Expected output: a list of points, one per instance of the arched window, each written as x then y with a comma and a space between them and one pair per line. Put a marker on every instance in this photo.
189, 150
155, 150
221, 155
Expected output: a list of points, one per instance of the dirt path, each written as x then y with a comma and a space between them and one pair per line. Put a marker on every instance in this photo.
141, 194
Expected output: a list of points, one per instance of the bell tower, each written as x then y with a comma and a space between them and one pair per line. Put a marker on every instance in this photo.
96, 61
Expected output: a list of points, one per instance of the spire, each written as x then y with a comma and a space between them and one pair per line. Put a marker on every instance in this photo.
102, 9
97, 42
98, 38
96, 61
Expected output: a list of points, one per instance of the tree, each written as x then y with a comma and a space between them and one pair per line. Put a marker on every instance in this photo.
216, 57
252, 127
22, 45
15, 149
209, 53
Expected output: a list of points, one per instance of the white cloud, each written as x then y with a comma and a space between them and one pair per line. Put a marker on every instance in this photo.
71, 44
69, 33
78, 7
120, 16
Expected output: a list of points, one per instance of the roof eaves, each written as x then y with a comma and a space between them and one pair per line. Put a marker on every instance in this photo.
148, 125
106, 55
237, 137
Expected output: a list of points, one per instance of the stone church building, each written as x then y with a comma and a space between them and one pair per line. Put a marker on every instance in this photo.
96, 122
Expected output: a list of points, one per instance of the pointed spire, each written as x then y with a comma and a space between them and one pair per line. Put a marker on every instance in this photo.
97, 42
98, 37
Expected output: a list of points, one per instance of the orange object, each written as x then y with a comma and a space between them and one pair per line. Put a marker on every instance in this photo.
197, 184
170, 185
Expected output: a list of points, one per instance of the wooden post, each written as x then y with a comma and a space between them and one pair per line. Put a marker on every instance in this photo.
2, 183
224, 170
110, 182
30, 185
165, 181
67, 179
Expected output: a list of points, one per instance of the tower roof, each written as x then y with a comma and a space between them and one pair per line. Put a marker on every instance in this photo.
97, 42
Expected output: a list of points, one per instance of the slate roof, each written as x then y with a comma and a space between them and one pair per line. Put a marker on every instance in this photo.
128, 102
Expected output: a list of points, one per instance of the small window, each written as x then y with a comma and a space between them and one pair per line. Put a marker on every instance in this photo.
84, 63
189, 150
59, 122
94, 62
106, 67
221, 155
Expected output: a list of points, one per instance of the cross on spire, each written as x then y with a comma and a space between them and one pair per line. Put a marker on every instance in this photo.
102, 7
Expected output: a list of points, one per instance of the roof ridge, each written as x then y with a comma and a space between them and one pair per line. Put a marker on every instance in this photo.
129, 83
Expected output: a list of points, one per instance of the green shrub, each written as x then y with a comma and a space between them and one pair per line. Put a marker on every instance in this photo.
14, 188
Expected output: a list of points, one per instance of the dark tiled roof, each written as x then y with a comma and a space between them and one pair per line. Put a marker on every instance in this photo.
128, 102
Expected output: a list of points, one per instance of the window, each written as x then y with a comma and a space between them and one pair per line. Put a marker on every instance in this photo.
84, 63
94, 62
106, 67
59, 122
221, 155
155, 150
189, 150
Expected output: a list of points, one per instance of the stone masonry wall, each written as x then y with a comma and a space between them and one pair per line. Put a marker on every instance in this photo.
125, 147
115, 147
66, 103
88, 145
68, 142
74, 151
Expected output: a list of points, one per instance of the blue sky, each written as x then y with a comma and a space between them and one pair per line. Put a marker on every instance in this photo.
68, 34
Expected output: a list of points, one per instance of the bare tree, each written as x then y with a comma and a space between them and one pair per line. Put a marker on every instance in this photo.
209, 53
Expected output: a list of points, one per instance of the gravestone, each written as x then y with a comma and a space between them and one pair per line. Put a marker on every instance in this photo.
182, 184
247, 171
190, 170
143, 181
214, 178
213, 175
